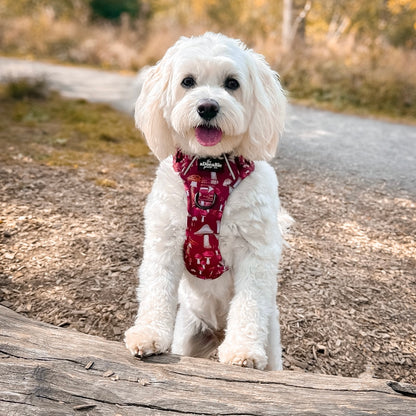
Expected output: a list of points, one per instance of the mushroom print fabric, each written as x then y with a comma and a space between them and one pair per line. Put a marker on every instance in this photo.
208, 184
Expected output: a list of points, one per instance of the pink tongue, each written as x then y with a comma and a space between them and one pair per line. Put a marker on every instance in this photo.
208, 136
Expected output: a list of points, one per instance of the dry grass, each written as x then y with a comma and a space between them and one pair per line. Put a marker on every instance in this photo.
349, 75
365, 80
103, 45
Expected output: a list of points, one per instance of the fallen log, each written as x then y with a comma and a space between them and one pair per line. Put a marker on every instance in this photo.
45, 370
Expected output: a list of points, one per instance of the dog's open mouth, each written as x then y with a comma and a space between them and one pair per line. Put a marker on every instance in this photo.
208, 136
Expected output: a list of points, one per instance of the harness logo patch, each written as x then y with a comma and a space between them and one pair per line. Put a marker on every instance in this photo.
210, 164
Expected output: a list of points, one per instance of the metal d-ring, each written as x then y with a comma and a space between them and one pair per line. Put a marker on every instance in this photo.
205, 207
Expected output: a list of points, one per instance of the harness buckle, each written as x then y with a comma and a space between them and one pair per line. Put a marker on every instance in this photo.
207, 201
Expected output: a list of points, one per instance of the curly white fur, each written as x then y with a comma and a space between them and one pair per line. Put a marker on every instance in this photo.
243, 300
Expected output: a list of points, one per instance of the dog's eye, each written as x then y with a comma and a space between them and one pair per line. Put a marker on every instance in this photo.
231, 84
188, 82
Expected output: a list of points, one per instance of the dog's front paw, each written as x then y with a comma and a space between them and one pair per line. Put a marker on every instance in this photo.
145, 341
243, 357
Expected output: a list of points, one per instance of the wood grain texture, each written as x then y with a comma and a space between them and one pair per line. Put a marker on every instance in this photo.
46, 370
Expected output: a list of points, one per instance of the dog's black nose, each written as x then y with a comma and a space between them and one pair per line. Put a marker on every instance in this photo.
208, 109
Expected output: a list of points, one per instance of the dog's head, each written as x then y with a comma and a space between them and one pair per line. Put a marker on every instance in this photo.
211, 95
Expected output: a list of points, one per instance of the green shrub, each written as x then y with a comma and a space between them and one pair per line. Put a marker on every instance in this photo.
21, 88
113, 9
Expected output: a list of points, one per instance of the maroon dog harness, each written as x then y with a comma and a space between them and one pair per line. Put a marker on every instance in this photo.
208, 184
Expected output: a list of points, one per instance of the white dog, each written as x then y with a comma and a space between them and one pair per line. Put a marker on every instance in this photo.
209, 109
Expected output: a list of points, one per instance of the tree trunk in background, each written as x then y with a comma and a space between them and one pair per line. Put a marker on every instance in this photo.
287, 24
294, 28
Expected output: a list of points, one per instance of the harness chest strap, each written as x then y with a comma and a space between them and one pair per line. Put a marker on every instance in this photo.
208, 184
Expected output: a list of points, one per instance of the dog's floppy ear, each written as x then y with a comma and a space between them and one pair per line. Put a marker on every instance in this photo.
269, 110
149, 110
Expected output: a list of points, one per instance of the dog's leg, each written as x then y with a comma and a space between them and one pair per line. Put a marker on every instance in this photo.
153, 328
193, 337
274, 348
250, 312
159, 276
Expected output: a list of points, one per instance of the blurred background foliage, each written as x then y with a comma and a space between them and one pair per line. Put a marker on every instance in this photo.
342, 54
113, 9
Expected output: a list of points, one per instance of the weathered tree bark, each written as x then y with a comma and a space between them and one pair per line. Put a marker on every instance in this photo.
46, 370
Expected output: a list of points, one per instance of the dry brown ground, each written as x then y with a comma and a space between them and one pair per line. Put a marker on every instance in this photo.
70, 248
348, 284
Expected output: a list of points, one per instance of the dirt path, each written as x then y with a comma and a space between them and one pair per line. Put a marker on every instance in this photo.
72, 82
69, 248
380, 154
